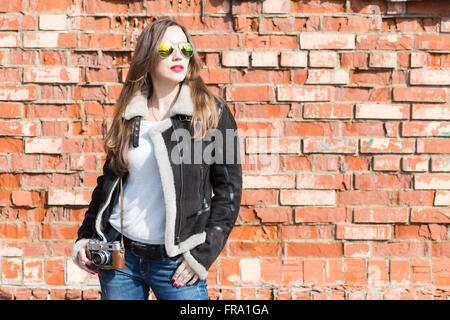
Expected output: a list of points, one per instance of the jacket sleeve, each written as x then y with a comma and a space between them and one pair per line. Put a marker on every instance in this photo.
226, 181
87, 228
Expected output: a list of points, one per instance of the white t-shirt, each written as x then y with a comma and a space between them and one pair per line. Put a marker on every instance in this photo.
144, 211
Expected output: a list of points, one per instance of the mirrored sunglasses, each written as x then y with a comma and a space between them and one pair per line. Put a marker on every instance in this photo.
166, 49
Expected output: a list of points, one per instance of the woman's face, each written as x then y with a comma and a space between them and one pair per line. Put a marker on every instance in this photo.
164, 71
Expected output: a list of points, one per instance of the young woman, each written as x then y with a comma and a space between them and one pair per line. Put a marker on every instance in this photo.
174, 228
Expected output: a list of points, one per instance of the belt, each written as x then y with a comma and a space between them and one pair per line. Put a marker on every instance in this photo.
139, 249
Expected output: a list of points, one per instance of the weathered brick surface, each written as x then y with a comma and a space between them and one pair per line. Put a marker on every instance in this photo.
343, 108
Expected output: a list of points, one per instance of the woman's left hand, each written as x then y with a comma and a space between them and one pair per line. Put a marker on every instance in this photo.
183, 274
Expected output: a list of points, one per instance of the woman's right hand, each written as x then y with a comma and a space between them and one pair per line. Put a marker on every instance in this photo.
85, 263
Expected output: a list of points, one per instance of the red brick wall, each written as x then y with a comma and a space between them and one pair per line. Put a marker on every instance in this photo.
343, 109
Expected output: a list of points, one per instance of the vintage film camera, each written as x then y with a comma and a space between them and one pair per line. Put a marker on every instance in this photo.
106, 255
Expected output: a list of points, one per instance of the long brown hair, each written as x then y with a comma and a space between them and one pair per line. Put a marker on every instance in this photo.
142, 64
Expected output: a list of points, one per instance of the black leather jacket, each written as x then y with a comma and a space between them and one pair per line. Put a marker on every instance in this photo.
197, 223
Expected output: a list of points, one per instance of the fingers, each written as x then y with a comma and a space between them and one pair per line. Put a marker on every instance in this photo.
194, 279
183, 274
86, 264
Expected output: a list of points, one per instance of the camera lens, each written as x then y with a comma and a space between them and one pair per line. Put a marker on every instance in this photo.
101, 257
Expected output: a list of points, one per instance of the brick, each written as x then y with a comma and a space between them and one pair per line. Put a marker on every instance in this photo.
14, 22
253, 233
330, 145
273, 214
442, 198
430, 77
43, 145
229, 272
39, 294
361, 232
317, 7
24, 198
427, 232
353, 59
254, 249
386, 145
91, 294
382, 181
310, 129
9, 40
440, 164
104, 41
417, 59
320, 215
400, 249
52, 231
250, 269
325, 76
69, 197
325, 40
23, 294
445, 25
386, 163
259, 197
269, 181
383, 60
380, 215
429, 128
32, 270
356, 249
347, 24
54, 272
18, 93
11, 270
235, 58
436, 145
307, 197
327, 110
250, 93
334, 271
382, 111
322, 59
40, 39
57, 294
269, 42
306, 232
377, 273
383, 42
432, 42
363, 197
52, 22
322, 181
441, 273
51, 75
303, 93
317, 250
276, 6
264, 59
399, 272
293, 59
431, 182
415, 164
313, 271
419, 94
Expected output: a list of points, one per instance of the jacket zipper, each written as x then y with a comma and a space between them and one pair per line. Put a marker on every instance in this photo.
177, 237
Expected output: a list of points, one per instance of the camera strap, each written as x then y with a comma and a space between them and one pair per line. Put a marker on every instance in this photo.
122, 249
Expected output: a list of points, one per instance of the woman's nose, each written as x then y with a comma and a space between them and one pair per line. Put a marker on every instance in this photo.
177, 52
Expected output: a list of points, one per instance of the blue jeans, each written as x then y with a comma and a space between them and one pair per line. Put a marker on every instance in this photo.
140, 274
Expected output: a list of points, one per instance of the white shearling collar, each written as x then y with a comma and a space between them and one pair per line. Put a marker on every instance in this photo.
138, 104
